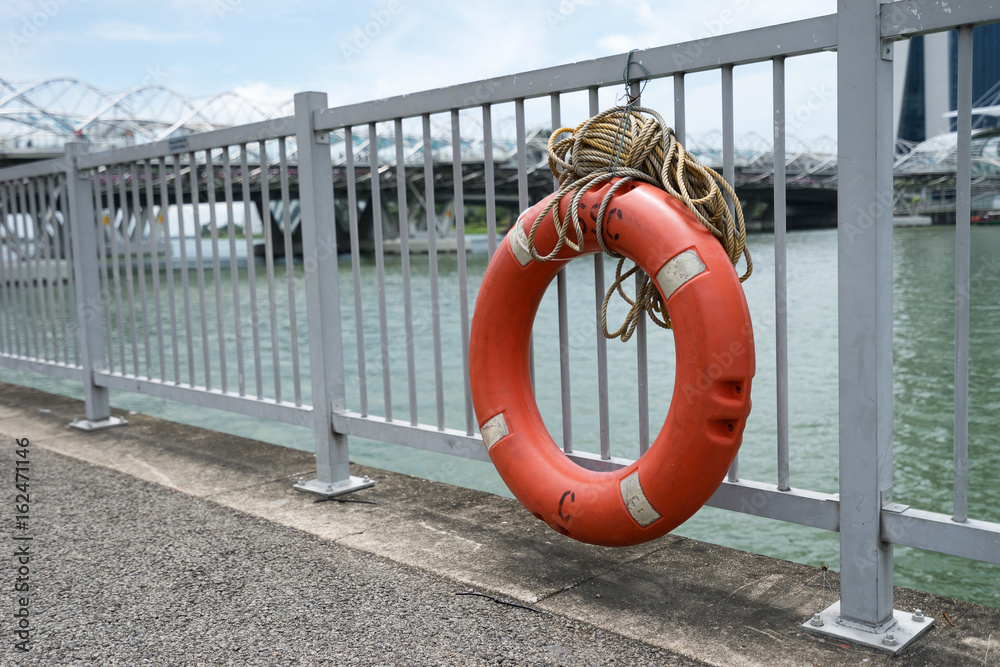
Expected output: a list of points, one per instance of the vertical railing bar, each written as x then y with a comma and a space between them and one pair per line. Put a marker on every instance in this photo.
963, 247
17, 291
123, 190
26, 277
728, 129
488, 175
60, 205
522, 154
81, 193
185, 278
194, 180
5, 314
8, 289
642, 371
52, 272
45, 268
163, 219
23, 270
463, 288
272, 302
433, 266
359, 321
213, 231
101, 230
404, 251
563, 306
602, 343
72, 340
323, 300
169, 274
522, 195
286, 216
38, 285
154, 254
105, 225
864, 304
140, 268
59, 195
641, 344
780, 270
383, 320
234, 268
8, 310
29, 217
37, 206
728, 173
251, 267
679, 107
116, 263
14, 290
68, 220
17, 270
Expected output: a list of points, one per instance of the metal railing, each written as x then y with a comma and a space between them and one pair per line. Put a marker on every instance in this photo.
76, 302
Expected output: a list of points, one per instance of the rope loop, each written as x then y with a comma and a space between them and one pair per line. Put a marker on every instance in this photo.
633, 143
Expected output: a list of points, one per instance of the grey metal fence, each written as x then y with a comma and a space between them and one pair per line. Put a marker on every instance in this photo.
80, 233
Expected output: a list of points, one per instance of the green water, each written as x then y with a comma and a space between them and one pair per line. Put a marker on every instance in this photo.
924, 353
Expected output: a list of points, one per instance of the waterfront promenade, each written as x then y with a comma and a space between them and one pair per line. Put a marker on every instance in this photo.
160, 543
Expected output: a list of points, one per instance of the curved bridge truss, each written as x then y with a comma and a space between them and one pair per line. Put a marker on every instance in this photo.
44, 115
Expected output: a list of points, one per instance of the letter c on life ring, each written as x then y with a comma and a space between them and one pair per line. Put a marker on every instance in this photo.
715, 364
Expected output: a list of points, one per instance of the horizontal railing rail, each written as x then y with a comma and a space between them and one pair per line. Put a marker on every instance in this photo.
260, 131
751, 46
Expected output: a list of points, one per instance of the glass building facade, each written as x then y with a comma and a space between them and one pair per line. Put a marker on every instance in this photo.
985, 81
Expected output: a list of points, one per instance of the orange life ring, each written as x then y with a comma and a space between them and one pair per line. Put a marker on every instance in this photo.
711, 400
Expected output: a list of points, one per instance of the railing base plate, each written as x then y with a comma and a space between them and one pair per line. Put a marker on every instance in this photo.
894, 636
100, 424
330, 490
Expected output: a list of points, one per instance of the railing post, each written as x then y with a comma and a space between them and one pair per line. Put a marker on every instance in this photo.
864, 613
319, 249
89, 306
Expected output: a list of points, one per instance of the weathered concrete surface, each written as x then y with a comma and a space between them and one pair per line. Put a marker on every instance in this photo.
669, 602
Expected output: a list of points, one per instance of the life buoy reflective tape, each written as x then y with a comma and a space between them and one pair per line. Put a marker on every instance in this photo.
714, 366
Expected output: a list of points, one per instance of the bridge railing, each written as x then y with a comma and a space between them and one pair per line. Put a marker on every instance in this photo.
308, 347
37, 284
193, 211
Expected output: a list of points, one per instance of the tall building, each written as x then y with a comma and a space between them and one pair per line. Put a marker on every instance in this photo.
926, 74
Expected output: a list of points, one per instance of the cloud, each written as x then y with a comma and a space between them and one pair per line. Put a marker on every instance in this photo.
268, 96
616, 43
122, 32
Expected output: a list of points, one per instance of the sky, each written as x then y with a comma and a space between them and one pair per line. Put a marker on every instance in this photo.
360, 51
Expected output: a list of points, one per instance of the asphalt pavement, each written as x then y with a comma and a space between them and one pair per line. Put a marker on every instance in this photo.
128, 572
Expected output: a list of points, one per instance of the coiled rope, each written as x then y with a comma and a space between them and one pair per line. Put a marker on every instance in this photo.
633, 143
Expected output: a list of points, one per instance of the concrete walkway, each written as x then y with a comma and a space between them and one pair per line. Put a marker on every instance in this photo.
159, 543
